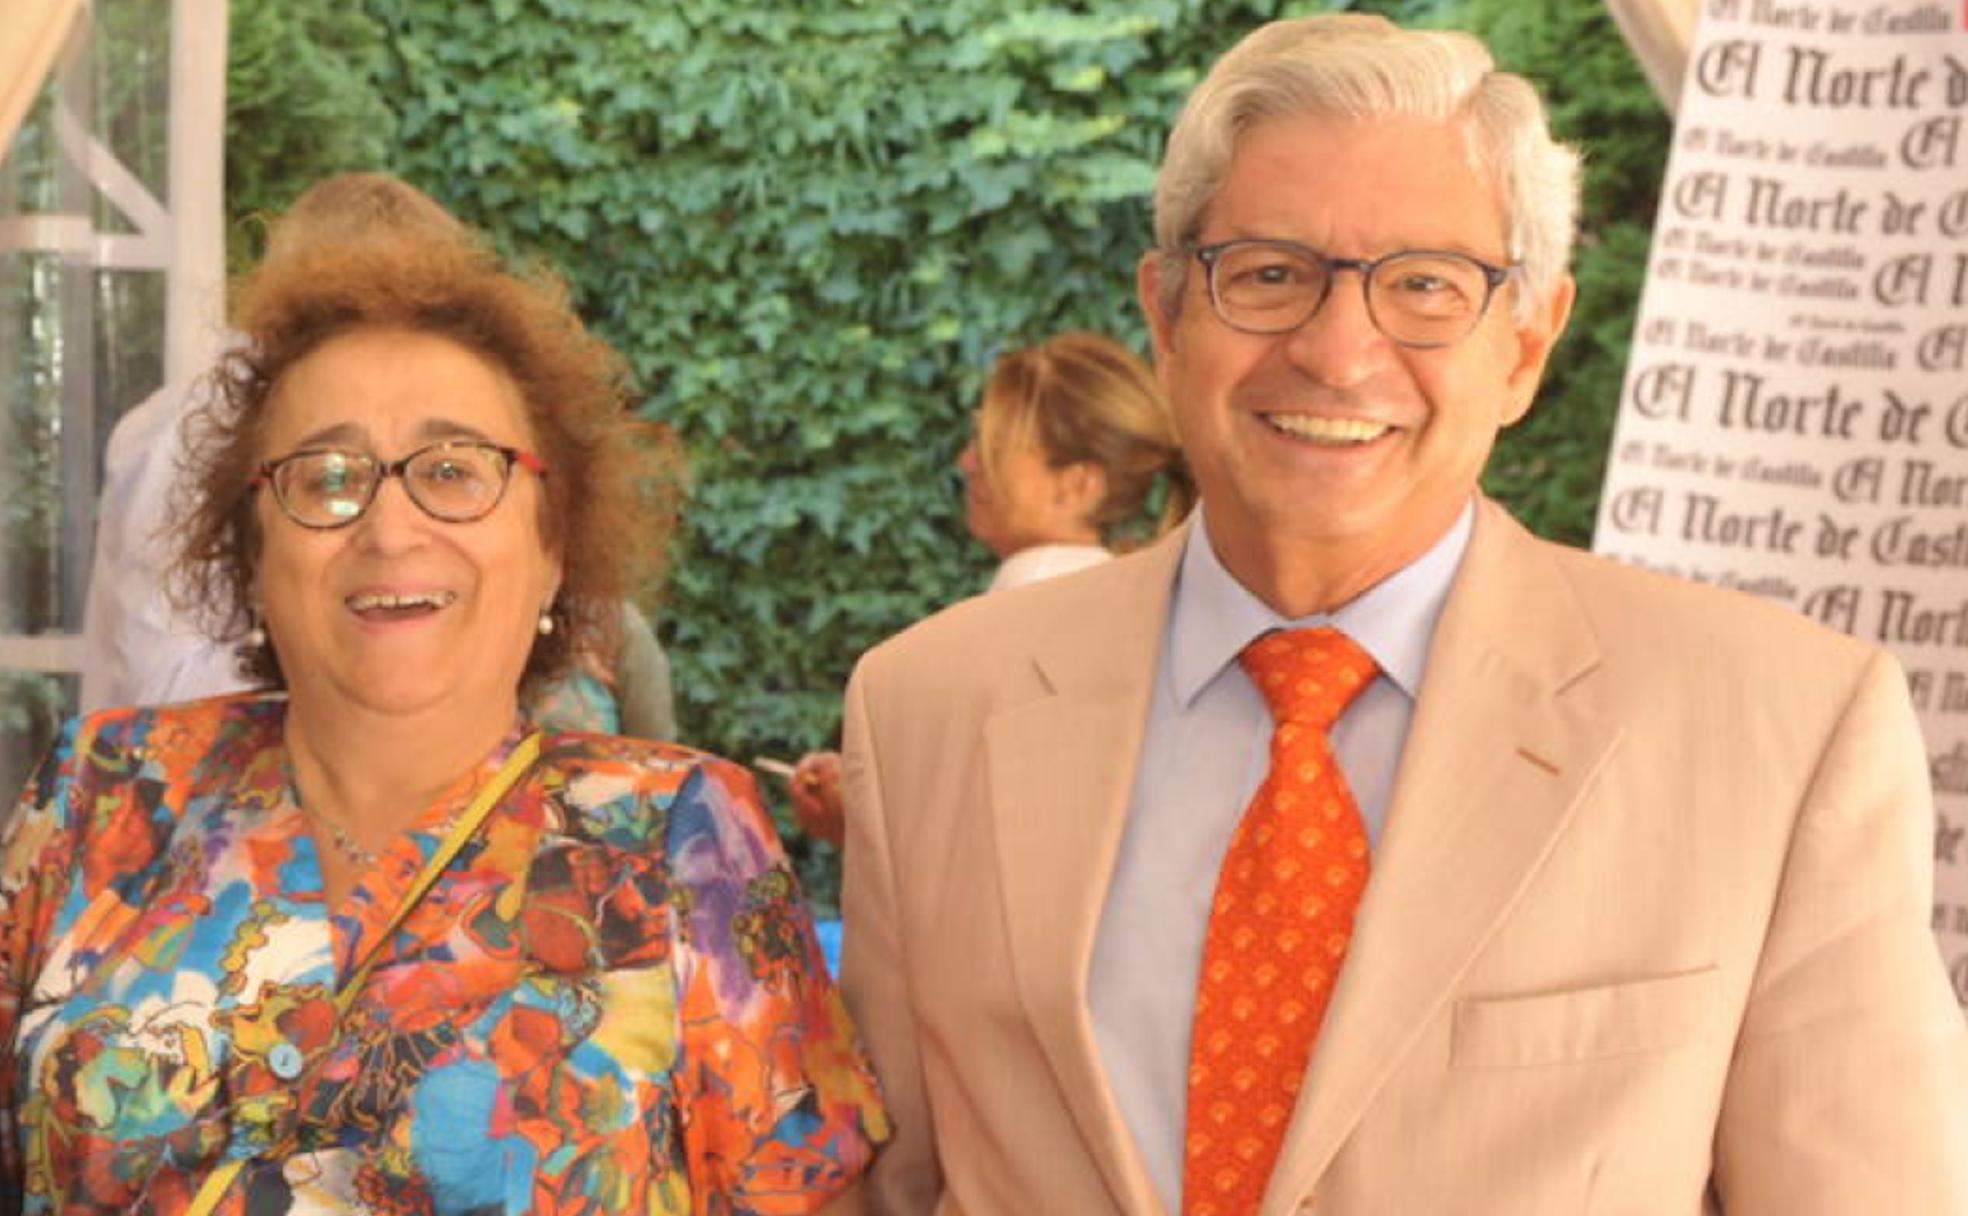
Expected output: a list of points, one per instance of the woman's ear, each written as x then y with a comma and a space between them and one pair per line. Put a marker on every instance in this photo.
1079, 489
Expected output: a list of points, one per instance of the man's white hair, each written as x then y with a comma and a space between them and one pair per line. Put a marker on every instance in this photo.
1356, 66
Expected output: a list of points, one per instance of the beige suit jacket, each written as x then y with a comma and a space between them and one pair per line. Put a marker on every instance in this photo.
1647, 931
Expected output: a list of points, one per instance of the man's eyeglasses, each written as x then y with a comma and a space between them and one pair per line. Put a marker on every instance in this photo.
456, 481
1416, 297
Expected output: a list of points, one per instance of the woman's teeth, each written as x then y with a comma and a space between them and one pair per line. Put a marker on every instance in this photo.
413, 600
1327, 430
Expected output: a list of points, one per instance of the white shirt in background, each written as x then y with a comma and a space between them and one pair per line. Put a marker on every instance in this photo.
137, 649
1044, 561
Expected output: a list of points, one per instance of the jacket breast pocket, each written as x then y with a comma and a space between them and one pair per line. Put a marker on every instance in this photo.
1630, 1018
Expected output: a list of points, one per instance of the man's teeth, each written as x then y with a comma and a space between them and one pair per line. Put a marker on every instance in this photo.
1327, 430
418, 599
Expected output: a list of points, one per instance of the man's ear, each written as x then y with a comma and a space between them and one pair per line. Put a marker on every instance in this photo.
1535, 339
1148, 274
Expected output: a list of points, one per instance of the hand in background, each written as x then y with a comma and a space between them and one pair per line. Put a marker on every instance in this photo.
816, 790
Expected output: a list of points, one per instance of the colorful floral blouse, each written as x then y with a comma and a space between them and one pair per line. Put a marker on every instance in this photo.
610, 1002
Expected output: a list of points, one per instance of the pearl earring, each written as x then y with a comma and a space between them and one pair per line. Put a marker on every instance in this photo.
256, 637
546, 622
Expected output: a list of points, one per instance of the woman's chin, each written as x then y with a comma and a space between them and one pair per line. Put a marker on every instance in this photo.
398, 693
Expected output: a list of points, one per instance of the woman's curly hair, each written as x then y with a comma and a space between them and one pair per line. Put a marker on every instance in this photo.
596, 513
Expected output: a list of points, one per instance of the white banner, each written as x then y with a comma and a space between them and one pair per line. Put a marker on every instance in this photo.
1795, 415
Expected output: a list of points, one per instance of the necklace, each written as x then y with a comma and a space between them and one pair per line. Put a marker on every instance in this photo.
364, 858
346, 844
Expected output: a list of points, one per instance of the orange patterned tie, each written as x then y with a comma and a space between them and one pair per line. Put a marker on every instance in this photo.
1278, 926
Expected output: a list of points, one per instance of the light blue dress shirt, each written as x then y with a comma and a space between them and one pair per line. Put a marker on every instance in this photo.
1202, 758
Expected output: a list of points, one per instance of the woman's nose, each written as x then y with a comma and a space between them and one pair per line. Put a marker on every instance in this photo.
392, 519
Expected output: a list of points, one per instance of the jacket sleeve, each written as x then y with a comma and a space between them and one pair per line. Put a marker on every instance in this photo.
1849, 1087
906, 1180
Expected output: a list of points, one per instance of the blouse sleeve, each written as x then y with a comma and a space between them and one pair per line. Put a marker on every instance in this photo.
36, 854
779, 1106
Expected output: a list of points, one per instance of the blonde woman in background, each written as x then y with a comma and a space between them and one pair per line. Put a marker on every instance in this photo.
1070, 444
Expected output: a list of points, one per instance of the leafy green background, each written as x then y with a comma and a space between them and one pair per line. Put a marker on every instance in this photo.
811, 228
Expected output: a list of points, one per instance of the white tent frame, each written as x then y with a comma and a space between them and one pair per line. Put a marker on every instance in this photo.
184, 238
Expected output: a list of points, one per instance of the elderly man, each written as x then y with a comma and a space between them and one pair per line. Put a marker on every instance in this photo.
1352, 851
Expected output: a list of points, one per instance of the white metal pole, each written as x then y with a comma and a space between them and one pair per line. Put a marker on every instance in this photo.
194, 315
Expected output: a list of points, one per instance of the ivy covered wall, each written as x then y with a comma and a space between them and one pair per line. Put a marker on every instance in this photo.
811, 228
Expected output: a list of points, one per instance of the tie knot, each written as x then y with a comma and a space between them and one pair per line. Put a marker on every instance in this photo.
1308, 675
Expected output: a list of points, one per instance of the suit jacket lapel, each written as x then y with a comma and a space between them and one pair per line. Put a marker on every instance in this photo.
1496, 758
1061, 769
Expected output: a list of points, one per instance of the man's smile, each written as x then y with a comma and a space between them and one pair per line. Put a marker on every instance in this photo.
1320, 429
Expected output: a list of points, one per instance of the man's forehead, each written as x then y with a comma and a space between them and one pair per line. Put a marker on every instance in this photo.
1290, 170
1393, 132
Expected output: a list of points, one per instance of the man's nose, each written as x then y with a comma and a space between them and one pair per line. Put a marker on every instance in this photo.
1340, 345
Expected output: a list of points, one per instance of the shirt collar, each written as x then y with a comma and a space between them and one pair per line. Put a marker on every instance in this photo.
1214, 616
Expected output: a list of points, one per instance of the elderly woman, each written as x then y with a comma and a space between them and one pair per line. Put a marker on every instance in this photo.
366, 942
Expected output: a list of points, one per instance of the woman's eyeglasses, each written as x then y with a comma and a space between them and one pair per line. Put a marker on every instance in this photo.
456, 481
